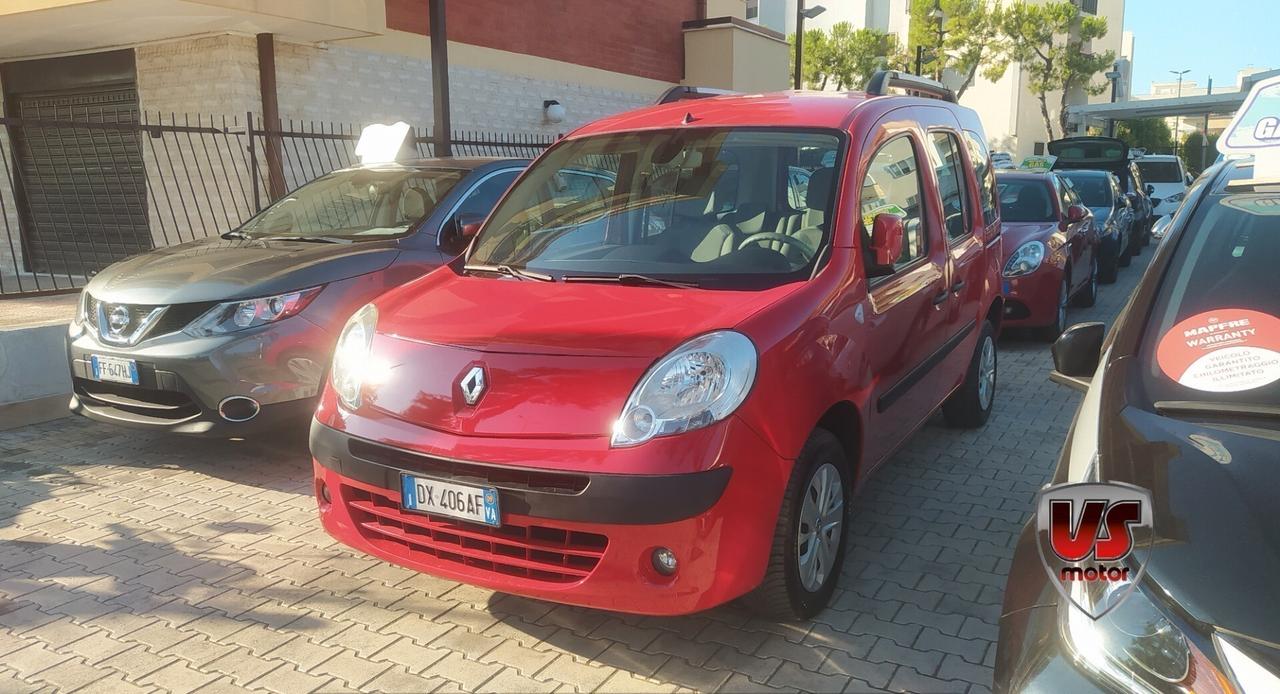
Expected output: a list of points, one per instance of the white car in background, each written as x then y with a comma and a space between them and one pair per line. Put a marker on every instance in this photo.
1168, 175
1003, 160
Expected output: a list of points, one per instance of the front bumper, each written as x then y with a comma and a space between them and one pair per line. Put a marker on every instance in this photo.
183, 380
1031, 301
571, 536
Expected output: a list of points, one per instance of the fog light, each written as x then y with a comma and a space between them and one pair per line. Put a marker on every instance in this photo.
664, 561
324, 493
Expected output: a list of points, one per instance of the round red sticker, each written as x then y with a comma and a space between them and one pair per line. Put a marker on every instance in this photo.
1223, 351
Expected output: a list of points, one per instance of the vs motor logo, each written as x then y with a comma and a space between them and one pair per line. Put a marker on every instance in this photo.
1094, 533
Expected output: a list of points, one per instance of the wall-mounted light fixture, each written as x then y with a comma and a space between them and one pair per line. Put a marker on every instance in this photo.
553, 111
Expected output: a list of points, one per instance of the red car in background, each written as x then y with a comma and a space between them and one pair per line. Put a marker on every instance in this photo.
1050, 251
660, 392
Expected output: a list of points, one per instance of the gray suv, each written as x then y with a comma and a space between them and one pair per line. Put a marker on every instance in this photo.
230, 335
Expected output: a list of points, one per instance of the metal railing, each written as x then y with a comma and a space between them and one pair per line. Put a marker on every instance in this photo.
83, 189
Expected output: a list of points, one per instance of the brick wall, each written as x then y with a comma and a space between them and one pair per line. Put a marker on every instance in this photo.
634, 37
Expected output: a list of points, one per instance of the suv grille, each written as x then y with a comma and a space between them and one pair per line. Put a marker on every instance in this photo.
159, 405
534, 552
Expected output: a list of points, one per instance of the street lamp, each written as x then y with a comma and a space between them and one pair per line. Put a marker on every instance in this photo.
1114, 76
1177, 121
801, 14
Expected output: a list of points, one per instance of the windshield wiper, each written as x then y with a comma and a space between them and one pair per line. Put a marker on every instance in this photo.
518, 273
237, 235
308, 239
632, 280
1217, 409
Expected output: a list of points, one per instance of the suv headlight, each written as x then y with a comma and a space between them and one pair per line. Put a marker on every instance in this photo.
351, 358
699, 383
1025, 260
233, 316
86, 315
1176, 197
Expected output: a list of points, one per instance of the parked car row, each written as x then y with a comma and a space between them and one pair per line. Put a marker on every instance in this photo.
706, 303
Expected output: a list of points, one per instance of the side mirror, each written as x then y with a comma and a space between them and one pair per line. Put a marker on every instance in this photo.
1077, 213
1131, 199
1076, 354
1189, 179
887, 233
1151, 190
1161, 227
457, 233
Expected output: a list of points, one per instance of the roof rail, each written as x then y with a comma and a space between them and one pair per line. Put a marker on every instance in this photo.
686, 93
883, 80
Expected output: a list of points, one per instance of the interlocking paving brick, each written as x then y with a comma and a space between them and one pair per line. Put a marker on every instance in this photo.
137, 561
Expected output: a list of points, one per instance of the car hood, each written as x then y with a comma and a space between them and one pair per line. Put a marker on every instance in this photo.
559, 358
218, 269
1217, 535
1017, 233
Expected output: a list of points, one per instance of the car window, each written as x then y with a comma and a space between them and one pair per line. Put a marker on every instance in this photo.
709, 205
1093, 190
1161, 171
949, 168
892, 185
1213, 334
1064, 194
480, 201
797, 187
1025, 200
984, 174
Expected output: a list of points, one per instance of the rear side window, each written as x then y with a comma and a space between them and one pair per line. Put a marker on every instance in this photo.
983, 173
480, 201
892, 186
949, 168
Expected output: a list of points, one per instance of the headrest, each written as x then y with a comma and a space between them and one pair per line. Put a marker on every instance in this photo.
413, 204
819, 194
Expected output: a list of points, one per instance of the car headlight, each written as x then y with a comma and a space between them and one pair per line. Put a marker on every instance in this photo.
1132, 643
1176, 197
1025, 260
699, 383
351, 358
233, 316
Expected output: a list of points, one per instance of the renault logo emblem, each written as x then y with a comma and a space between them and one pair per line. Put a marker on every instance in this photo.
118, 319
473, 385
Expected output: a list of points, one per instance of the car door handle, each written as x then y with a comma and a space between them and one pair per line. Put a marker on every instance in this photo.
941, 297
955, 288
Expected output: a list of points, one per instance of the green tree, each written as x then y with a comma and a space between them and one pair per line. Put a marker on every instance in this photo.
1191, 152
969, 34
846, 57
1049, 41
817, 58
1151, 134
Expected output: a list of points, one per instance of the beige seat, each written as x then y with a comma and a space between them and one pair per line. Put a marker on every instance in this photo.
413, 205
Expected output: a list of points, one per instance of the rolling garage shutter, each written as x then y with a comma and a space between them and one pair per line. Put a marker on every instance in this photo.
85, 188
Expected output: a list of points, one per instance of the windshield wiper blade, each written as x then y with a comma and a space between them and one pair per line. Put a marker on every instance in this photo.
309, 239
1219, 409
632, 279
518, 273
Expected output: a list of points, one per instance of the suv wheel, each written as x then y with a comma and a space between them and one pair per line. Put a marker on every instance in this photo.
1088, 295
970, 406
809, 538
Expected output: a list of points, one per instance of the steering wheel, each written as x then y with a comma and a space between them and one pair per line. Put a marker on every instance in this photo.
775, 236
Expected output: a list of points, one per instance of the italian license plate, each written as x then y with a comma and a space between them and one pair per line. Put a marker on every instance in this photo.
462, 501
114, 369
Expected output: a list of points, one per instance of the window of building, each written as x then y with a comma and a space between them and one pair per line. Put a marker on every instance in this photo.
1089, 6
753, 9
1037, 149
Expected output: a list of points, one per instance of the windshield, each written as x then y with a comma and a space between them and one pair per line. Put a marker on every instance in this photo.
1025, 200
1160, 171
1214, 332
356, 204
1094, 190
725, 207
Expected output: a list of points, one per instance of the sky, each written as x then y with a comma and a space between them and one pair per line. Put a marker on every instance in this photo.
1214, 37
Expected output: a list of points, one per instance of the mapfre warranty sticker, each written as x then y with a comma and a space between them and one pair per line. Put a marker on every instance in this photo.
1223, 351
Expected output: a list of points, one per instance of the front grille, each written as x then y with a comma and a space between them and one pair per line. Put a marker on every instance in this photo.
534, 552
513, 478
178, 317
174, 318
149, 402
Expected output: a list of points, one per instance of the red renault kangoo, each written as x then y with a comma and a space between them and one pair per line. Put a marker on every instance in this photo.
674, 352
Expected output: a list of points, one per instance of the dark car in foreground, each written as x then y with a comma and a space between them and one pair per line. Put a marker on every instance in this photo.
1182, 399
1050, 251
230, 335
1112, 217
1111, 154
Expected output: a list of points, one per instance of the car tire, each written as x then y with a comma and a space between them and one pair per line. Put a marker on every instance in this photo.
1109, 268
1088, 295
1050, 332
970, 406
793, 588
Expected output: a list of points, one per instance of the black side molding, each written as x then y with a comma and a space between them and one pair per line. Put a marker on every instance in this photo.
897, 390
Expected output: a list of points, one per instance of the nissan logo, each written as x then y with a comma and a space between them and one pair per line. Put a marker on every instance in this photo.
118, 319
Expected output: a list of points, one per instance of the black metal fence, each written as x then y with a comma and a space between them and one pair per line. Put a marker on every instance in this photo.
82, 190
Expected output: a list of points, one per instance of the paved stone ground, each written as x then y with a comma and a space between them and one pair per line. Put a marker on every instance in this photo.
131, 561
